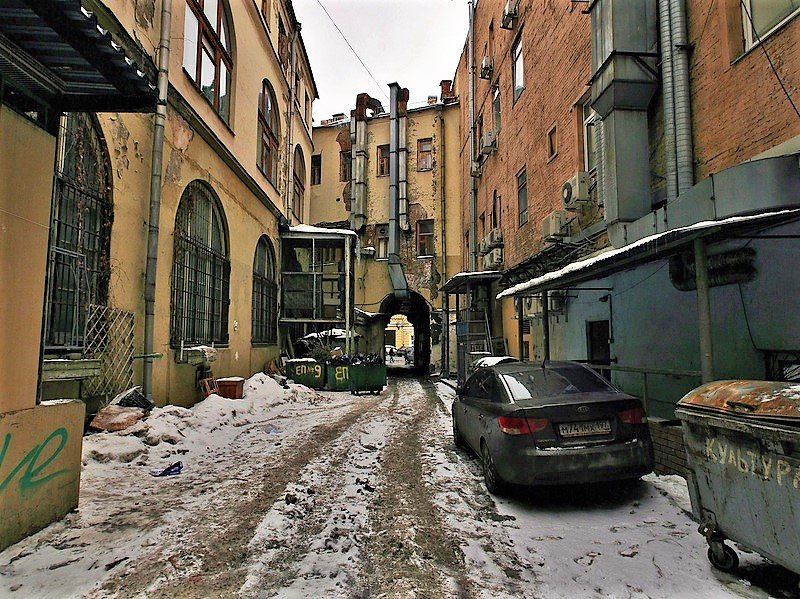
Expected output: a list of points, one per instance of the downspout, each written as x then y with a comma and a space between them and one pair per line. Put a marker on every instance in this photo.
289, 205
159, 126
348, 298
395, 266
667, 85
683, 112
442, 210
402, 160
474, 180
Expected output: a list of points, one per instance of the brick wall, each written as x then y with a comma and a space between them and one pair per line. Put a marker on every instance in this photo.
557, 65
739, 108
668, 447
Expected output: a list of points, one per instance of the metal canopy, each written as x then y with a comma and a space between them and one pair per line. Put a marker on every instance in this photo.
56, 51
647, 249
460, 282
549, 259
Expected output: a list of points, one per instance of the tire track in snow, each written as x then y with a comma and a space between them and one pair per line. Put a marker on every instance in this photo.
309, 542
411, 552
209, 552
492, 560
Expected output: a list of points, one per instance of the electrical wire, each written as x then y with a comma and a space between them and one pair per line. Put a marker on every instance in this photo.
769, 58
353, 50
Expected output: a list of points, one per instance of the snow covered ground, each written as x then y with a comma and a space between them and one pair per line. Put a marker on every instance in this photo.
295, 493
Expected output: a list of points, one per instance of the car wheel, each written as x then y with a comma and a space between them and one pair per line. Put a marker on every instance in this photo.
457, 438
494, 484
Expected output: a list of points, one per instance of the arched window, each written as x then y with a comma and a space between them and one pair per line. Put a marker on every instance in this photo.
299, 183
200, 270
268, 132
265, 294
80, 233
207, 56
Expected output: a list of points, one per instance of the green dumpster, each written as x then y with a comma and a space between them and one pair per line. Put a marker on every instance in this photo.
306, 371
367, 378
337, 377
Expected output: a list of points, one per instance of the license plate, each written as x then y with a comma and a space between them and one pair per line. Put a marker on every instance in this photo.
585, 429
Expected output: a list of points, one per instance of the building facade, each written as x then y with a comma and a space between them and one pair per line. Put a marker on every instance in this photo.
397, 192
662, 216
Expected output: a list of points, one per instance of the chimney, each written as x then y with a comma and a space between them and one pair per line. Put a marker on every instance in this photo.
446, 86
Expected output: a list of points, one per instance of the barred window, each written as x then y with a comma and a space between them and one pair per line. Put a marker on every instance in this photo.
265, 294
268, 132
200, 270
207, 57
80, 232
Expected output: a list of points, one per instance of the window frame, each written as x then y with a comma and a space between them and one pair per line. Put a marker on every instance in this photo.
264, 330
268, 133
345, 165
496, 108
425, 157
213, 40
194, 256
517, 57
552, 143
425, 237
383, 161
522, 191
298, 182
589, 147
751, 37
316, 169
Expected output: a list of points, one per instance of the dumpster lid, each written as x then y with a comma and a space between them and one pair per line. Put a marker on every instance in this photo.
767, 400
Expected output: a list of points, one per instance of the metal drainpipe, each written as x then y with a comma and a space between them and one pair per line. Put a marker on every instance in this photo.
667, 84
683, 113
290, 129
443, 209
474, 191
545, 326
703, 311
159, 125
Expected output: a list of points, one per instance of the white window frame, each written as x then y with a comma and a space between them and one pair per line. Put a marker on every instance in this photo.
751, 39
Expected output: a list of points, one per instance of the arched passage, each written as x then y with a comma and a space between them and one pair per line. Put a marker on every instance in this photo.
418, 312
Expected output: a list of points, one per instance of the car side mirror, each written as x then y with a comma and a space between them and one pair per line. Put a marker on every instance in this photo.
459, 390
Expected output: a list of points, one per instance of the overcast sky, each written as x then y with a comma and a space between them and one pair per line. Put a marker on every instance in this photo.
414, 42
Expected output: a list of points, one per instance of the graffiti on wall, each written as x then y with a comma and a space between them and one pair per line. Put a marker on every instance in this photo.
30, 471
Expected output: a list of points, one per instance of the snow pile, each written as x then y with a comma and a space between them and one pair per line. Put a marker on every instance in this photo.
211, 423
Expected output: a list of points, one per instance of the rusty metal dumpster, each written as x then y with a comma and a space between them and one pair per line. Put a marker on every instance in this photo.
743, 447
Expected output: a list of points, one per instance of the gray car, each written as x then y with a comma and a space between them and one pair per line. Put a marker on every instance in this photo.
551, 423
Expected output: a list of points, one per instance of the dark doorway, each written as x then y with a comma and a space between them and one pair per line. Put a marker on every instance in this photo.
598, 334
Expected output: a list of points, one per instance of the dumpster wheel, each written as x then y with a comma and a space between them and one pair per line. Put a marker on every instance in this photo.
723, 557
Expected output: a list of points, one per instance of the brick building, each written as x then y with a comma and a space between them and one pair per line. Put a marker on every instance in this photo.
656, 138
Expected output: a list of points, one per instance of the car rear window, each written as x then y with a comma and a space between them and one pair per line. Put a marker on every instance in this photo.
546, 382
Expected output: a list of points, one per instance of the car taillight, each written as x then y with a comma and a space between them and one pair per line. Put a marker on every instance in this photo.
521, 426
633, 416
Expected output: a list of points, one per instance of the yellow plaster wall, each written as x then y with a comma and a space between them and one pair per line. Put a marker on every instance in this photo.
326, 199
40, 467
26, 178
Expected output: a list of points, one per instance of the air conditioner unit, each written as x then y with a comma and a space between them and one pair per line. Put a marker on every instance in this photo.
576, 190
554, 224
510, 15
482, 247
486, 67
487, 142
495, 238
476, 170
493, 259
557, 301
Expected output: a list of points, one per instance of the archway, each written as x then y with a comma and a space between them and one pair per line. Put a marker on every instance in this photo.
418, 313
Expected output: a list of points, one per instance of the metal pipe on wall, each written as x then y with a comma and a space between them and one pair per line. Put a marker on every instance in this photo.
683, 112
151, 267
667, 84
289, 188
474, 188
442, 216
545, 326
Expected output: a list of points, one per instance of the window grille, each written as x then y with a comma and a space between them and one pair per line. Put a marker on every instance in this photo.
200, 271
80, 233
265, 294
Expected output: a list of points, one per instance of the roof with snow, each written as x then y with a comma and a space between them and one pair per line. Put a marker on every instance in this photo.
643, 250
